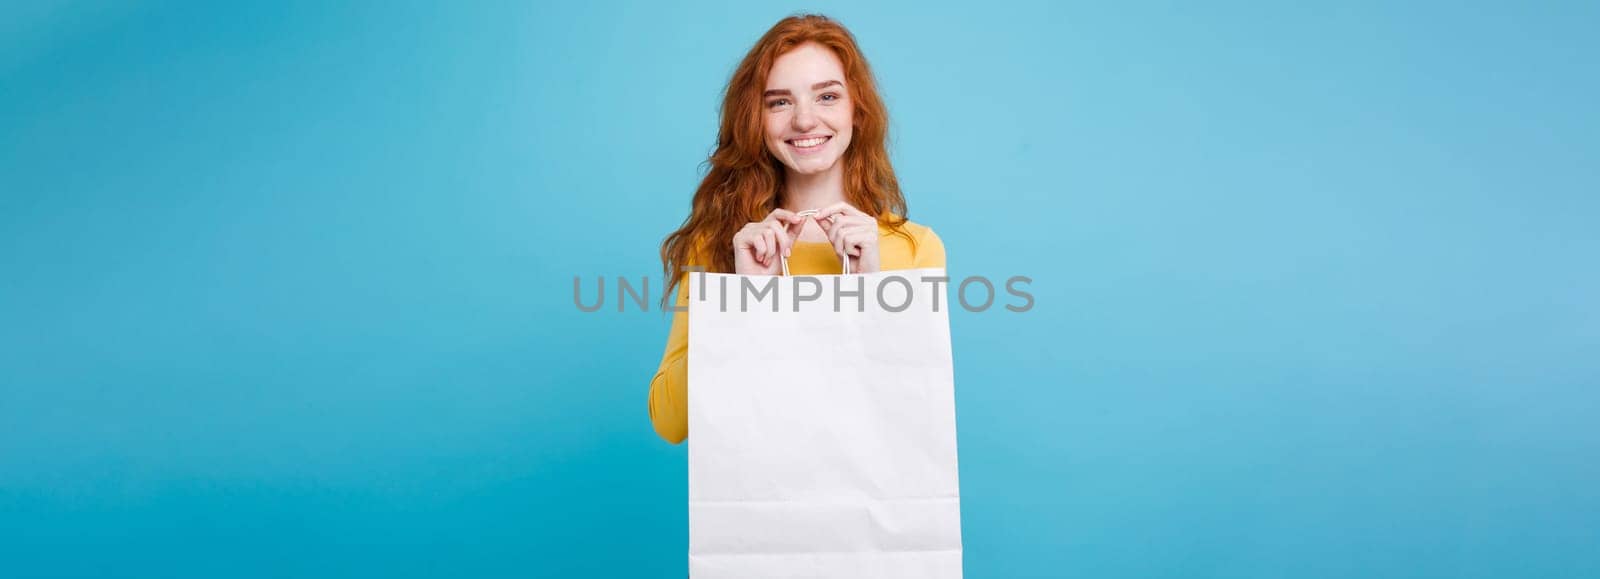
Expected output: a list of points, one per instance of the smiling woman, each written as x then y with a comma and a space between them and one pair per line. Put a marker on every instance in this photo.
801, 173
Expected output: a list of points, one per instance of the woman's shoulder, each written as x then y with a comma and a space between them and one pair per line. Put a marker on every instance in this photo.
919, 246
918, 230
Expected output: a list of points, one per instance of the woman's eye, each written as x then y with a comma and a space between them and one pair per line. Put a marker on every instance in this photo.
830, 97
777, 103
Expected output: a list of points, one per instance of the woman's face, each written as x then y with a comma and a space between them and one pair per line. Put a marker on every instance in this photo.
808, 109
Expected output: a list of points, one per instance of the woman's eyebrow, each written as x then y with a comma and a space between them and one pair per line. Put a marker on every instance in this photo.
785, 92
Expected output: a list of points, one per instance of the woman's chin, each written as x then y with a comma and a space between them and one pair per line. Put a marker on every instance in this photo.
812, 167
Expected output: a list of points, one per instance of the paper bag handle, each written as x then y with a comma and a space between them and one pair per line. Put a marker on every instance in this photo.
844, 259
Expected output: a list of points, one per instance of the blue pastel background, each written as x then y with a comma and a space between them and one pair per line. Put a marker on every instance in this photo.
286, 288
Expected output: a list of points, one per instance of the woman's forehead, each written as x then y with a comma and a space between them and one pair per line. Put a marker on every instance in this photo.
804, 66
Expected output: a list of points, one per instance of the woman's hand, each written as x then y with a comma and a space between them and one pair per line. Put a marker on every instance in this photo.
853, 233
759, 248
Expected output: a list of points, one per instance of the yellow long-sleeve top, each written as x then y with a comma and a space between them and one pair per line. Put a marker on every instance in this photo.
669, 401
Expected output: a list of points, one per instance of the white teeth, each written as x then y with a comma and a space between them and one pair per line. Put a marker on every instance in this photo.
812, 142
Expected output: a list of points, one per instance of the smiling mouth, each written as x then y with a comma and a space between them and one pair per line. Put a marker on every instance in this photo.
808, 143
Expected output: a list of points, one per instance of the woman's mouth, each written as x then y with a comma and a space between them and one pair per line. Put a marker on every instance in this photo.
808, 144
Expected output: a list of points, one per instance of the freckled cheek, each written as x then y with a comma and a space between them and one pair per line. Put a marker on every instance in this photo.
840, 119
773, 123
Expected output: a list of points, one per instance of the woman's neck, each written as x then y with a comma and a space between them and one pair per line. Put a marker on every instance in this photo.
802, 192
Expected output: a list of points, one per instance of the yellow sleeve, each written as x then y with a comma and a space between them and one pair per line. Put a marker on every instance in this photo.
930, 249
669, 390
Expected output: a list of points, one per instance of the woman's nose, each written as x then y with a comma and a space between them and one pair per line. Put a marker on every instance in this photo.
803, 119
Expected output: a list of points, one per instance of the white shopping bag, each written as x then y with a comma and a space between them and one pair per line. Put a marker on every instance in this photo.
822, 435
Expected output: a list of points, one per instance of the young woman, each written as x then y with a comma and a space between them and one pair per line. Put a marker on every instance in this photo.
802, 128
